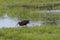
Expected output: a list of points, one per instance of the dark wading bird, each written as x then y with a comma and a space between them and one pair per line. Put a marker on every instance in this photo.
23, 22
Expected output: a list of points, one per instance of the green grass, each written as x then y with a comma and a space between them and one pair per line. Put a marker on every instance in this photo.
27, 12
3, 2
45, 32
23, 13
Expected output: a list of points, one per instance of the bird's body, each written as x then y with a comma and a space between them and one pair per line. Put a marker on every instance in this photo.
24, 22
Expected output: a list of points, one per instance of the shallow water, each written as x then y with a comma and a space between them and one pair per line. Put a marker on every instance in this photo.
7, 22
35, 23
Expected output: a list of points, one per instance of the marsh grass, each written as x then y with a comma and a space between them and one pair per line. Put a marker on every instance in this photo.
3, 2
25, 12
45, 32
22, 13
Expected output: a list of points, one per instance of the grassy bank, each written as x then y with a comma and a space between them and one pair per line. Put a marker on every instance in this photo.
46, 32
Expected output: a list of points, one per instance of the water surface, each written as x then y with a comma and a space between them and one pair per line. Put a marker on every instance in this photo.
7, 22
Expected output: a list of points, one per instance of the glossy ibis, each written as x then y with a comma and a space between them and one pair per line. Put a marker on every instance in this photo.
23, 22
